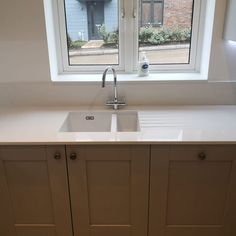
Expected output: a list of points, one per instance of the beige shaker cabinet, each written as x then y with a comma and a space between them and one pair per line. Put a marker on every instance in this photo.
34, 198
118, 190
109, 188
193, 191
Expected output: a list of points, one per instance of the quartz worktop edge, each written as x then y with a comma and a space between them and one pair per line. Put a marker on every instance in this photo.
159, 125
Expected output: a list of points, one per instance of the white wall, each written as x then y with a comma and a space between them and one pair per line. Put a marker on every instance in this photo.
25, 76
223, 55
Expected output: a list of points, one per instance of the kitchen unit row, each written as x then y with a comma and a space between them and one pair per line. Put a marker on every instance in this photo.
118, 190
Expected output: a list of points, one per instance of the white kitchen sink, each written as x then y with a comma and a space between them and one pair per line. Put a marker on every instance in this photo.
101, 121
87, 122
127, 121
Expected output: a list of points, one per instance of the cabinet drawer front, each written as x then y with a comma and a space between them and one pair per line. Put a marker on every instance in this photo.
214, 153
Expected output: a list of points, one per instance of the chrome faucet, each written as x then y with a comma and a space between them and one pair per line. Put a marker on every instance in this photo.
115, 103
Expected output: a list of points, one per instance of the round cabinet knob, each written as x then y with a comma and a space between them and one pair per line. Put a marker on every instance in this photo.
57, 156
73, 156
202, 156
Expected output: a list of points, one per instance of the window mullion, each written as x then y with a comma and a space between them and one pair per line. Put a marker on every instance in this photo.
129, 30
61, 35
135, 33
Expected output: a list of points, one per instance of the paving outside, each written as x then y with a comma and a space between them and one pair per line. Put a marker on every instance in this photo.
155, 54
93, 44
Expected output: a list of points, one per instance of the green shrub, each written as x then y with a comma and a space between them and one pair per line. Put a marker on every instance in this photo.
103, 33
157, 39
77, 44
166, 34
114, 37
146, 34
187, 34
177, 35
108, 37
74, 44
69, 41
160, 36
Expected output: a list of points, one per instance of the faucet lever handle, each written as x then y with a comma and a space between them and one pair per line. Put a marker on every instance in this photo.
115, 104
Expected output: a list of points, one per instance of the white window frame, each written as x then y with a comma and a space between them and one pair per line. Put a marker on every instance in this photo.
196, 39
128, 41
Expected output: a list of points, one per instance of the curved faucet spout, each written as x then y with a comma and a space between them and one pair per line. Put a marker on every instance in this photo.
105, 74
115, 103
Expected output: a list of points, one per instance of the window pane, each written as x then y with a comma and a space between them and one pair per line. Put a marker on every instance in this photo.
92, 32
146, 13
166, 35
157, 12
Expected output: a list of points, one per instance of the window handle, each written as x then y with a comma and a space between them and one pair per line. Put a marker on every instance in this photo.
122, 13
134, 13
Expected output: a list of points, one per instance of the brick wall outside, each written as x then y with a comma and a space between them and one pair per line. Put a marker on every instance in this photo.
177, 13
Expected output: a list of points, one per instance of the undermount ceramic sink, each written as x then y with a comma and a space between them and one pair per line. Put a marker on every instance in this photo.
101, 121
127, 121
87, 122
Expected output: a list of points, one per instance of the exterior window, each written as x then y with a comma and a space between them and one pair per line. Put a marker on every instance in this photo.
94, 34
151, 12
166, 30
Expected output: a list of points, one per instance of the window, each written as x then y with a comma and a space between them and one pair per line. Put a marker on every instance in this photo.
93, 34
166, 30
151, 12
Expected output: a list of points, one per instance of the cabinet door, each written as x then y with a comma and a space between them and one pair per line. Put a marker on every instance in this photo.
109, 189
193, 191
34, 192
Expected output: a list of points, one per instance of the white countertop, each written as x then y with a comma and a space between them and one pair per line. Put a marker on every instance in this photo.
158, 125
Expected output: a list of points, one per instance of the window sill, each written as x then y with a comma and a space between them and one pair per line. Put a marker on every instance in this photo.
131, 78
